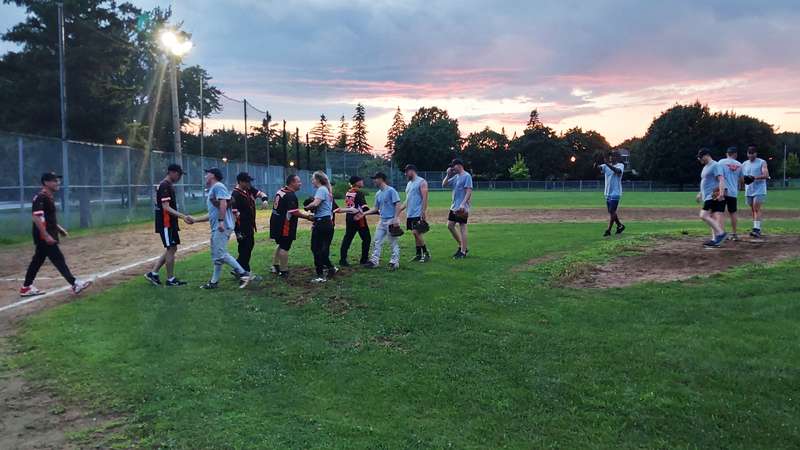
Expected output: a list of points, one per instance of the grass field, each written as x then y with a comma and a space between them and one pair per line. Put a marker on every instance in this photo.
489, 352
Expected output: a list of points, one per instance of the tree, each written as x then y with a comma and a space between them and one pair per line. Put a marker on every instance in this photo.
587, 147
397, 128
486, 153
321, 134
545, 153
533, 121
358, 141
342, 136
430, 140
792, 165
519, 171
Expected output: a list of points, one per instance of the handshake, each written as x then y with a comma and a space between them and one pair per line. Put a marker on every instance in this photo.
188, 219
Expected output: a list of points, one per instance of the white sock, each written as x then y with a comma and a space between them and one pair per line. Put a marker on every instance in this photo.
757, 224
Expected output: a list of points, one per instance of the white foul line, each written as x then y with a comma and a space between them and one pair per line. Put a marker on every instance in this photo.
93, 278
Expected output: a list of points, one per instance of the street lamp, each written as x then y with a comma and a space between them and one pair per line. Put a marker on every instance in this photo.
119, 141
291, 163
225, 160
176, 46
572, 159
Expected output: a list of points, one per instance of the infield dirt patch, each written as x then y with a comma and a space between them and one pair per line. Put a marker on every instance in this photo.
684, 258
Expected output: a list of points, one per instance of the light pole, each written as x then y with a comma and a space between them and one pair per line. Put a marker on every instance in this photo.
176, 47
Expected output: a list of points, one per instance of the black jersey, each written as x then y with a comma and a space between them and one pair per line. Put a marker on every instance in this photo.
165, 192
282, 223
44, 206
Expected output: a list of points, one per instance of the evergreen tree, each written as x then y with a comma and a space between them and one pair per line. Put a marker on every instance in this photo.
341, 139
397, 128
533, 121
358, 141
321, 134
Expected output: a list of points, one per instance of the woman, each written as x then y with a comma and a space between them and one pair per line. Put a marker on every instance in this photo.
322, 228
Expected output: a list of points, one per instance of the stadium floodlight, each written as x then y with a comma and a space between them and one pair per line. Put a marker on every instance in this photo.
119, 141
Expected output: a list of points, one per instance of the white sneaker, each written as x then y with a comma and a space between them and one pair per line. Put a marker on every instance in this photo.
319, 280
80, 286
29, 291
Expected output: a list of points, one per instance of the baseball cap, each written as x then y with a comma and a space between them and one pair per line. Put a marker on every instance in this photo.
731, 150
410, 167
752, 149
175, 168
50, 176
355, 179
244, 177
380, 175
456, 162
216, 172
703, 152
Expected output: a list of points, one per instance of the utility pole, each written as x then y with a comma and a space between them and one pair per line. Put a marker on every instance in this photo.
297, 146
784, 164
202, 130
269, 133
62, 84
285, 151
245, 136
308, 154
176, 123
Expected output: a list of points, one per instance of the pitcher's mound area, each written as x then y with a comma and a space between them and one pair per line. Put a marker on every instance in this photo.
683, 258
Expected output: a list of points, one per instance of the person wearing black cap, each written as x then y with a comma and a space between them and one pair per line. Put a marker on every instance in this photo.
283, 223
416, 207
387, 202
354, 198
221, 219
732, 170
46, 232
461, 181
244, 197
712, 191
166, 219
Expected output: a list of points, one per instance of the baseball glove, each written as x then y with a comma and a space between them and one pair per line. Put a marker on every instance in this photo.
307, 202
395, 230
749, 179
717, 195
422, 226
462, 213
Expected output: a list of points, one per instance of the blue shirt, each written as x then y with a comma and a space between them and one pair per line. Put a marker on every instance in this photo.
461, 183
325, 207
732, 170
216, 193
754, 169
708, 179
613, 189
414, 197
386, 202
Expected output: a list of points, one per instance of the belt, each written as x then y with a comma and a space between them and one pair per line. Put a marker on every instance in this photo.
322, 219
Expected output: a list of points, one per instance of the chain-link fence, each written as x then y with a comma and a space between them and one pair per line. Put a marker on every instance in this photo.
107, 184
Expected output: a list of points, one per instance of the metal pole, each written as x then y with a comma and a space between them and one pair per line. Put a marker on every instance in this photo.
202, 123
308, 154
784, 165
245, 134
20, 167
176, 125
102, 184
285, 152
297, 146
269, 134
131, 190
62, 82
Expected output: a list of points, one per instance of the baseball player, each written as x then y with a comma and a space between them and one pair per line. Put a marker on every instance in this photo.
756, 174
387, 202
221, 219
322, 229
613, 169
461, 181
732, 170
166, 220
416, 207
355, 199
46, 232
244, 197
283, 223
712, 191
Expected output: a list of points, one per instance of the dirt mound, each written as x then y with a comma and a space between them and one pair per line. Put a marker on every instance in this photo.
683, 258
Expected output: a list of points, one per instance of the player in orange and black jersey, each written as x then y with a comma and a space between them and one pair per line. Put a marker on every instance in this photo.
355, 199
244, 197
167, 217
46, 231
283, 223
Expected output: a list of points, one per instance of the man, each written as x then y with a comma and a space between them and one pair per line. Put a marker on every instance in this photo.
166, 219
613, 169
46, 231
244, 197
221, 219
712, 191
354, 198
283, 223
461, 181
756, 174
416, 207
386, 206
732, 170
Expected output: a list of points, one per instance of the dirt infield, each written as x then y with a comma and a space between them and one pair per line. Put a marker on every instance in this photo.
684, 258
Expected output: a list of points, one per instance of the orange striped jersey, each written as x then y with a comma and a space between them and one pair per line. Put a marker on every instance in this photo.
165, 192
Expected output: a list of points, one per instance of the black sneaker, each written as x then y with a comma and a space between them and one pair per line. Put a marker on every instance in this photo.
344, 263
369, 265
620, 229
459, 255
607, 233
416, 258
210, 285
756, 233
176, 282
235, 275
283, 274
425, 258
153, 278
458, 252
711, 244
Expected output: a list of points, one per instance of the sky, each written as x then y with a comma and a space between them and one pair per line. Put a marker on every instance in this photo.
606, 65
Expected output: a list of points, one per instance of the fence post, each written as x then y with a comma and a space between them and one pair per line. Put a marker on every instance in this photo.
102, 184
21, 165
130, 188
580, 186
65, 179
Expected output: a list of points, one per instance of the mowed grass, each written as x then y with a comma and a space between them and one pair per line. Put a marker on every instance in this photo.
488, 352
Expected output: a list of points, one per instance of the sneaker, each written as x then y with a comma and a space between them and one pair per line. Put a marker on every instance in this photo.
344, 263
235, 275
756, 233
80, 286
711, 244
283, 274
721, 238
425, 258
275, 269
29, 291
733, 237
153, 278
247, 279
318, 280
332, 271
415, 258
607, 233
620, 229
210, 285
370, 265
458, 252
459, 255
394, 266
176, 282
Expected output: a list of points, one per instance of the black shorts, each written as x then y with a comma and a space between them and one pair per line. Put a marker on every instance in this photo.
412, 222
284, 243
715, 206
731, 204
452, 217
170, 237
612, 204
